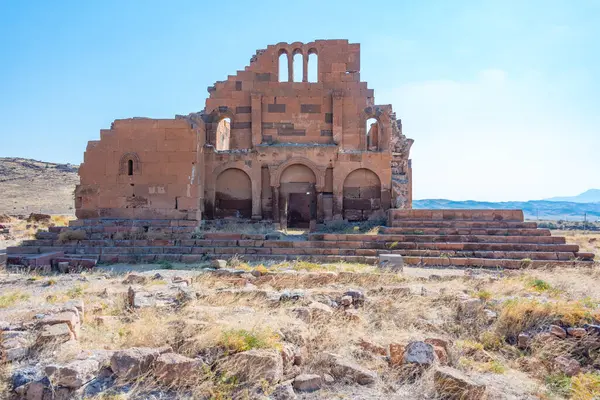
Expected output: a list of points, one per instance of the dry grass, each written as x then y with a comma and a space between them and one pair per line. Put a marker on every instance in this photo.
10, 299
233, 316
71, 234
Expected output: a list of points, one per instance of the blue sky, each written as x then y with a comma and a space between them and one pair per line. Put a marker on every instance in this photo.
501, 97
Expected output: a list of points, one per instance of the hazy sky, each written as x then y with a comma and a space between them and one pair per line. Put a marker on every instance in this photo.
502, 97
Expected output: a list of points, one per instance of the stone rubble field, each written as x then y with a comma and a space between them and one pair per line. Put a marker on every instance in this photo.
300, 330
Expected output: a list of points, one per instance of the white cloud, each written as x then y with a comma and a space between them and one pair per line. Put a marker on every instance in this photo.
494, 138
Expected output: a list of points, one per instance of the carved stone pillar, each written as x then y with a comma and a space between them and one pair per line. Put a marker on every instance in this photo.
338, 118
256, 104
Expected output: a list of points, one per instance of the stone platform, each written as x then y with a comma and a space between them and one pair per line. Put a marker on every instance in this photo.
474, 238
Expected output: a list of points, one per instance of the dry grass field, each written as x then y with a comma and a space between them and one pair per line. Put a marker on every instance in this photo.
344, 331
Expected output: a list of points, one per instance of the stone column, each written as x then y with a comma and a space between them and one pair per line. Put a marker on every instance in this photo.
290, 68
320, 211
305, 68
275, 202
256, 197
338, 118
256, 104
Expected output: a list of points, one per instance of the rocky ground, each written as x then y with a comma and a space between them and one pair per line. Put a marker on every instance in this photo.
299, 330
31, 186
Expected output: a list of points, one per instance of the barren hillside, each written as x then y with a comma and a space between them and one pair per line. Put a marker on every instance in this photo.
35, 186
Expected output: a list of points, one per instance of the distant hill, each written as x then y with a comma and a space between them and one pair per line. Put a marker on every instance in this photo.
589, 196
28, 186
534, 209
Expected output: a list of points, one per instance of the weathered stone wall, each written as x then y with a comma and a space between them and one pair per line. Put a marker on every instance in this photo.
258, 146
163, 182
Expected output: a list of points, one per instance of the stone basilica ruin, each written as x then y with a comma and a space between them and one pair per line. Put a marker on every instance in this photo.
264, 147
276, 144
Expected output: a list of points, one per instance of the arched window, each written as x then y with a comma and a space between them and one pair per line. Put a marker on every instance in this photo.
372, 130
223, 134
283, 66
129, 164
298, 66
313, 66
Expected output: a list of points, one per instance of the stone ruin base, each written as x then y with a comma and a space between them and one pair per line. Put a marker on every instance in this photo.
466, 238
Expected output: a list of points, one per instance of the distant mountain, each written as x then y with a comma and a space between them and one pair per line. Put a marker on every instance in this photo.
589, 196
535, 209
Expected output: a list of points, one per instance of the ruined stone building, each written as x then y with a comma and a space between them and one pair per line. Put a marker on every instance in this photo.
269, 144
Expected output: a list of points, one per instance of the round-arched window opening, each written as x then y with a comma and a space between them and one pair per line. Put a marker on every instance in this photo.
129, 167
372, 130
223, 134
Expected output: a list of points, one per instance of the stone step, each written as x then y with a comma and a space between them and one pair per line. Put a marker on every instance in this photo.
294, 251
456, 215
193, 258
437, 238
488, 262
41, 246
129, 222
34, 260
467, 231
419, 223
410, 260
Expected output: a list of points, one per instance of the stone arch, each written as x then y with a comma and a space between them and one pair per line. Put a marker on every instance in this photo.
312, 65
129, 164
361, 194
383, 128
233, 194
299, 195
318, 172
283, 65
213, 121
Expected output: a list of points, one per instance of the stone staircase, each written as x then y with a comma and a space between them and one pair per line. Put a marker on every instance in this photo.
473, 238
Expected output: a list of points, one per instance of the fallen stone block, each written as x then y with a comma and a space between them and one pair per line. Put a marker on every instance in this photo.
175, 369
342, 368
58, 333
74, 374
131, 363
420, 353
394, 262
454, 385
255, 365
307, 383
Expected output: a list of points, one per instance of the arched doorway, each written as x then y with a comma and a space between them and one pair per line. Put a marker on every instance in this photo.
298, 196
362, 194
233, 197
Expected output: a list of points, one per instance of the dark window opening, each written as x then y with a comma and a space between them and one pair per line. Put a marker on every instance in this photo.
130, 167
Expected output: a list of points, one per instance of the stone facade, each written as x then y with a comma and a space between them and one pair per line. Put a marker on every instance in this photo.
264, 147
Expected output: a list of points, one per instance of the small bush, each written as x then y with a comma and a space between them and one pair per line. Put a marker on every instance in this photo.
70, 234
10, 299
585, 386
519, 315
238, 340
484, 295
559, 384
491, 341
540, 285
75, 292
526, 263
235, 261
164, 264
